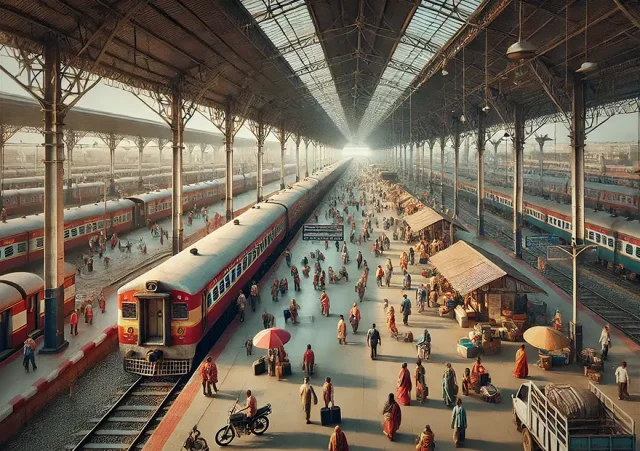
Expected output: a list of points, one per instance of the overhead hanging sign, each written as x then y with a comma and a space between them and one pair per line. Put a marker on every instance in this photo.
541, 240
322, 232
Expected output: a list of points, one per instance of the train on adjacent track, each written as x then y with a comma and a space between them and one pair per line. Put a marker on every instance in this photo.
165, 313
27, 199
22, 306
22, 239
617, 237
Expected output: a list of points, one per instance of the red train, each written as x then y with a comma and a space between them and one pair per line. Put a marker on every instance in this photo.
22, 306
164, 313
22, 239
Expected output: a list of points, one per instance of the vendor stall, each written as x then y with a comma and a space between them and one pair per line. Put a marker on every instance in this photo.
430, 225
487, 288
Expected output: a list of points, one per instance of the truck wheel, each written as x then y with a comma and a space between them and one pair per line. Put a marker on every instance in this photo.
516, 421
527, 441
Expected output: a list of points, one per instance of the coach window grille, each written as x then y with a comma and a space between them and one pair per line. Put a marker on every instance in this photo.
638, 251
221, 287
629, 249
66, 234
22, 248
8, 251
227, 281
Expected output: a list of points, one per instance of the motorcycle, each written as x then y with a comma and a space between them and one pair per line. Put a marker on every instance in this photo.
239, 424
194, 442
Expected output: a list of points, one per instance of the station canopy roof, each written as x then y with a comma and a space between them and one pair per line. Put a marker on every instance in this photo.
468, 267
426, 217
345, 70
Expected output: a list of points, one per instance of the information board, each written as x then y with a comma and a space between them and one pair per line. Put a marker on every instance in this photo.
541, 240
322, 232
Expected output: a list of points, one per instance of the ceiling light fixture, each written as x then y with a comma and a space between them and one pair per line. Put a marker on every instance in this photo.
521, 50
586, 66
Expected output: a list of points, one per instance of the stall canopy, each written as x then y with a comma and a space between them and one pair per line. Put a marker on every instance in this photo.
404, 198
426, 217
468, 267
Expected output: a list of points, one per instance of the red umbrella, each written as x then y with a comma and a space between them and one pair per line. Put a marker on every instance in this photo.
271, 338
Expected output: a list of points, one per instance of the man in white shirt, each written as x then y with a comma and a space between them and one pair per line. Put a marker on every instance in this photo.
622, 379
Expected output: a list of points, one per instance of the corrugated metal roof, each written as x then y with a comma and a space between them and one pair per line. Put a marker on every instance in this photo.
468, 267
423, 219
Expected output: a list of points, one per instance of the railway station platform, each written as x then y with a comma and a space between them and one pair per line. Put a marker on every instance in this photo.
24, 393
361, 385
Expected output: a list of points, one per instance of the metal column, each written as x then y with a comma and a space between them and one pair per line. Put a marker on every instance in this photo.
422, 165
306, 158
518, 180
456, 176
228, 147
297, 158
177, 129
442, 144
260, 137
140, 164
112, 165
53, 204
283, 138
480, 187
69, 176
411, 175
432, 144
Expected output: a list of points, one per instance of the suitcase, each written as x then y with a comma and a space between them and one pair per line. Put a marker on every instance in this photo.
287, 315
336, 415
325, 416
286, 368
259, 367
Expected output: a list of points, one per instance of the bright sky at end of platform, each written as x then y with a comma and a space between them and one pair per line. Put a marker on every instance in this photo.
353, 150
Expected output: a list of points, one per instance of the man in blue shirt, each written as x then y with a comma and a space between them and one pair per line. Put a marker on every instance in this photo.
459, 423
405, 309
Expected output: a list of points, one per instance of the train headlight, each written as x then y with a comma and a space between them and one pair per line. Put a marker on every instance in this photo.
130, 330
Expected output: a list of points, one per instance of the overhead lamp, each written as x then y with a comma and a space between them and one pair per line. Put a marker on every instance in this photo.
463, 119
587, 67
506, 135
523, 49
486, 108
444, 71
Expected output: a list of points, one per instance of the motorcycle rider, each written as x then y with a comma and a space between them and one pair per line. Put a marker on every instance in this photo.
252, 406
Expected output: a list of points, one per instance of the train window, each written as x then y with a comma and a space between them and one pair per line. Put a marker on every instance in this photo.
129, 310
591, 235
238, 270
232, 273
89, 227
221, 287
39, 242
619, 245
610, 242
22, 248
245, 260
66, 234
179, 311
100, 225
629, 249
74, 232
1, 253
81, 230
8, 251
597, 237
227, 281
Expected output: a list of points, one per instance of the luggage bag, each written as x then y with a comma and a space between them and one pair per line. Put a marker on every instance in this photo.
259, 367
325, 416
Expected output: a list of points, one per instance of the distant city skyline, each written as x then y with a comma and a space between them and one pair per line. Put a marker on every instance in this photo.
620, 128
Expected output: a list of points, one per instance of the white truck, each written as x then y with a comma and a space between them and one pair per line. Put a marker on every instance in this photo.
545, 427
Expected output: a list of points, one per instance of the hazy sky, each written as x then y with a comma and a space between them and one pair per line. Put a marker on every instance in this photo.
622, 128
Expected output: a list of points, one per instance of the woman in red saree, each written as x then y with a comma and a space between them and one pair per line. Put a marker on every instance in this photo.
522, 366
403, 391
392, 417
325, 303
338, 441
476, 372
391, 322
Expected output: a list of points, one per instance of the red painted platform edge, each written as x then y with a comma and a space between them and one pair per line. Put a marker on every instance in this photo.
177, 410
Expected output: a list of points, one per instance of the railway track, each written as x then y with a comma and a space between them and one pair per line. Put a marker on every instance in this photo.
622, 318
130, 420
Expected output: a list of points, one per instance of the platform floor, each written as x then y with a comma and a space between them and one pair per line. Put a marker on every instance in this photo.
362, 385
13, 378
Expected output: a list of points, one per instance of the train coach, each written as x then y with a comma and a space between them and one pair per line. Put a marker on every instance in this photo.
22, 306
617, 238
165, 313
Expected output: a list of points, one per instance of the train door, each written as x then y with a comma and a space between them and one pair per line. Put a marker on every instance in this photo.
5, 330
138, 214
34, 310
155, 320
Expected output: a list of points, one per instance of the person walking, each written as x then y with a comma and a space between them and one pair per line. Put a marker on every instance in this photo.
373, 340
209, 375
449, 385
327, 393
308, 361
268, 320
405, 309
392, 417
29, 352
459, 423
379, 275
342, 331
622, 379
242, 303
605, 341
338, 441
427, 440
307, 396
359, 259
73, 321
522, 366
403, 392
422, 391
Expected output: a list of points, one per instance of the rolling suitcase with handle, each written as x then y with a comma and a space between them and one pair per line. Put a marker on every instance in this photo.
336, 415
325, 416
259, 367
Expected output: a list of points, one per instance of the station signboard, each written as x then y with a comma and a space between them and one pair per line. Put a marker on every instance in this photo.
322, 232
541, 240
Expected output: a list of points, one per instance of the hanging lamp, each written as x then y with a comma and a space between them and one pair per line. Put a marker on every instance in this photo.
586, 66
523, 49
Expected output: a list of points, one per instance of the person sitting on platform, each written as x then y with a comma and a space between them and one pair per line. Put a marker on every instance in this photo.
479, 376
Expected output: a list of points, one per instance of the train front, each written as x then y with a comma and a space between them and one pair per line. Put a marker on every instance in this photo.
159, 325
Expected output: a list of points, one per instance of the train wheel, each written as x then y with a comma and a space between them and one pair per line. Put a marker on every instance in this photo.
260, 425
225, 436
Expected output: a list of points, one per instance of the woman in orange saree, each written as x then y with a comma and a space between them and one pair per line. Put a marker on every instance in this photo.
391, 322
392, 417
522, 366
338, 441
403, 392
